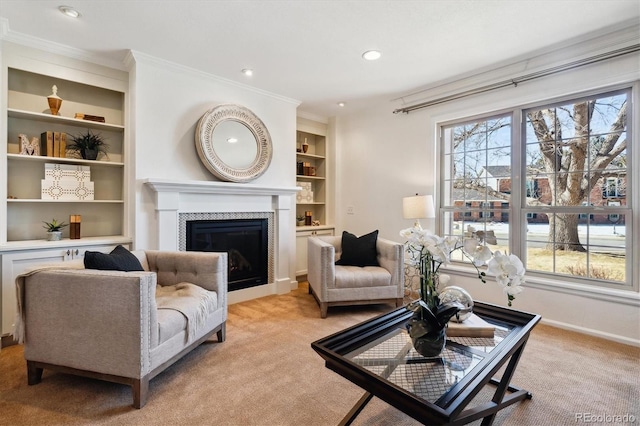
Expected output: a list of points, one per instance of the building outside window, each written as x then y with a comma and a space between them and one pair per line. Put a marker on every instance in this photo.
570, 159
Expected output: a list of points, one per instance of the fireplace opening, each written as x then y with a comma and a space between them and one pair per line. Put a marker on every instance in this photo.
245, 241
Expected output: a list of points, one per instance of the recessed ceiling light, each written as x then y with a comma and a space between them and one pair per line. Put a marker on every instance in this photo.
371, 55
232, 140
341, 104
69, 11
248, 72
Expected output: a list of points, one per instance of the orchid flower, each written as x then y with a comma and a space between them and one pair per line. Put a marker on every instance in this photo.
425, 246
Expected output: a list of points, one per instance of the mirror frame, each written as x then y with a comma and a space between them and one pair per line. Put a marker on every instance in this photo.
204, 143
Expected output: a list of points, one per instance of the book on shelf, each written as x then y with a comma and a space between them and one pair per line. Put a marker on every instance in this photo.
63, 145
56, 144
473, 326
46, 144
88, 117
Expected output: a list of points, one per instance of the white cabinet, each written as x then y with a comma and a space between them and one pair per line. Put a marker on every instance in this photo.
16, 262
301, 247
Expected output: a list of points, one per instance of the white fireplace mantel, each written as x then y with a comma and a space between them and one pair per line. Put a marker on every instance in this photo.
174, 197
201, 187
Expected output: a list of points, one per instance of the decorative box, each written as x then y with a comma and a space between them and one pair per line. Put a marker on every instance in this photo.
304, 185
60, 189
304, 196
67, 172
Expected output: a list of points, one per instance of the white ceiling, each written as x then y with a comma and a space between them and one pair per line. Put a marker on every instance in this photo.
310, 50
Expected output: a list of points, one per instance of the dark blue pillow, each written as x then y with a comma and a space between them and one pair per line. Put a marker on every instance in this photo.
120, 259
359, 251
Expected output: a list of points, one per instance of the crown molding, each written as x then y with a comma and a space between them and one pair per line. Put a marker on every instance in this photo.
56, 48
136, 56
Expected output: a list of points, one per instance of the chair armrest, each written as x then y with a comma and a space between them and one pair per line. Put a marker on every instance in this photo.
101, 321
205, 269
320, 266
391, 257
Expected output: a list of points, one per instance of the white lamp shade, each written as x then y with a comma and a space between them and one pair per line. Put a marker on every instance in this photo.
418, 207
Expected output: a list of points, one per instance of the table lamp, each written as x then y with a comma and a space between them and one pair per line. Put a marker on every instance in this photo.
418, 207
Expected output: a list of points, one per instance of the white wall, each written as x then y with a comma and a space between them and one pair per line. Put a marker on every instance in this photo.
167, 101
383, 157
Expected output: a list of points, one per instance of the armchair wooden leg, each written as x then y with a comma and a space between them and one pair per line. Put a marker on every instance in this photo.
323, 309
222, 333
34, 373
140, 389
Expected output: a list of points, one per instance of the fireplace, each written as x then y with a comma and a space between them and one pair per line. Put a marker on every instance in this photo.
178, 202
246, 242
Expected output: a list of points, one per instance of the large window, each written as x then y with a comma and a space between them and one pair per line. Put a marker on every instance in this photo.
555, 191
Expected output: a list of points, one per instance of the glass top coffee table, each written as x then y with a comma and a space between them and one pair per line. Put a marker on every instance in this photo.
378, 356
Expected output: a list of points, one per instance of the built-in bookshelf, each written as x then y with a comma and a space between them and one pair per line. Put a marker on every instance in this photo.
314, 175
28, 114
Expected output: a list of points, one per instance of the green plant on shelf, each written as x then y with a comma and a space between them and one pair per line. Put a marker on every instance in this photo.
54, 225
88, 145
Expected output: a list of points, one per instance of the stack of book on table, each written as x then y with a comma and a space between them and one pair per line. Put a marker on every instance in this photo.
473, 326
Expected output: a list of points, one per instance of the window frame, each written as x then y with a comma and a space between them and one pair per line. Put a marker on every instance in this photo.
519, 212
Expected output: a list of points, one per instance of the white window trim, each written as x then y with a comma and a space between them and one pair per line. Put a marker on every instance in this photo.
627, 295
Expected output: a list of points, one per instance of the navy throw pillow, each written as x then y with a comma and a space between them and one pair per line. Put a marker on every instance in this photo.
120, 259
359, 251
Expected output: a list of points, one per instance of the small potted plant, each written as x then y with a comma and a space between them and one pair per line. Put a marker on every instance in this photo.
300, 219
88, 145
54, 230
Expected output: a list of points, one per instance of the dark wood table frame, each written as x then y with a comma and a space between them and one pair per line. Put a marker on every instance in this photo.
450, 408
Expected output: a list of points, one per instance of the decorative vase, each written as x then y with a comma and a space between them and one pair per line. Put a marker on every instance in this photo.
54, 101
427, 326
427, 341
54, 235
305, 146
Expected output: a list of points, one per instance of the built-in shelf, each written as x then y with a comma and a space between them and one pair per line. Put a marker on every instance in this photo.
315, 156
310, 177
66, 160
63, 243
37, 200
48, 118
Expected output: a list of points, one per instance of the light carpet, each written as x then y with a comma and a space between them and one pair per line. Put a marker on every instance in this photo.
266, 373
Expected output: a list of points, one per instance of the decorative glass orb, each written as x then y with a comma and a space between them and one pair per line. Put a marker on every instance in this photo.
460, 295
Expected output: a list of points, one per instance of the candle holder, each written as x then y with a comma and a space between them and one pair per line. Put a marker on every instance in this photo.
74, 226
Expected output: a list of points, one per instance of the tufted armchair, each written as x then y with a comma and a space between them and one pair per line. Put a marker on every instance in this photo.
340, 285
124, 327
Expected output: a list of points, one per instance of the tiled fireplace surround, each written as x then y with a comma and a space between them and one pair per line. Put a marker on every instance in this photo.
177, 201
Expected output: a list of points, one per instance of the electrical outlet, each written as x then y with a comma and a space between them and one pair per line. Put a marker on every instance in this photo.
350, 210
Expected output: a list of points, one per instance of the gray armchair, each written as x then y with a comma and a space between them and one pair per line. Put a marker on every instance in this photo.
124, 327
341, 285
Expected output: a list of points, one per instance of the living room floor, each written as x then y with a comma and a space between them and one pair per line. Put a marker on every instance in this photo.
266, 373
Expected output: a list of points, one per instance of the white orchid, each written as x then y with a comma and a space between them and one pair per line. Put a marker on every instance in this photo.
509, 272
430, 251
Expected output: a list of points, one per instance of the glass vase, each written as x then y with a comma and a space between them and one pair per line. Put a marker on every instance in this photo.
427, 341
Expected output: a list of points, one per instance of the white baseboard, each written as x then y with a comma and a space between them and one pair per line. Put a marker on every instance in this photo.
591, 332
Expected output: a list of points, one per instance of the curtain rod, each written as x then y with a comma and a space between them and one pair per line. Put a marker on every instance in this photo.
515, 81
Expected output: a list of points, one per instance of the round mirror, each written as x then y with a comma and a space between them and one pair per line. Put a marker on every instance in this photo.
233, 143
